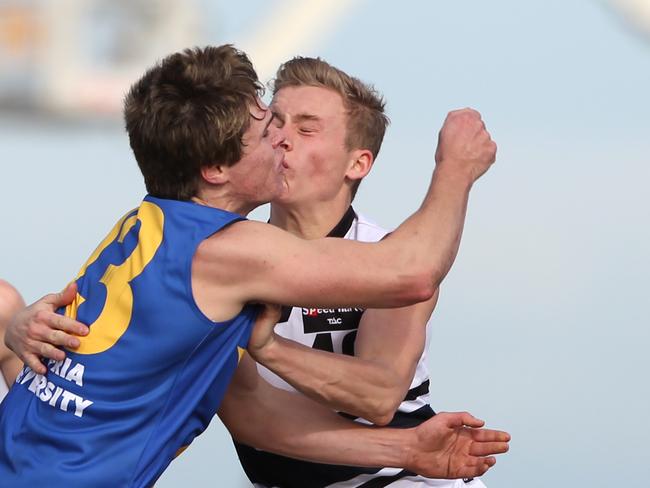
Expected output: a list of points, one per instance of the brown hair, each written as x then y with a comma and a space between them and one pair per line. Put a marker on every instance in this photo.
366, 122
189, 111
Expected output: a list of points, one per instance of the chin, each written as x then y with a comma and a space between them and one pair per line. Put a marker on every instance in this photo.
283, 192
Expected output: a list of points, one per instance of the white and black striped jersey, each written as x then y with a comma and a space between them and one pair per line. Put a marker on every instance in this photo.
335, 330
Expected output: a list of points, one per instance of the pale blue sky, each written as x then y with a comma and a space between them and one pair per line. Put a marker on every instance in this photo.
542, 326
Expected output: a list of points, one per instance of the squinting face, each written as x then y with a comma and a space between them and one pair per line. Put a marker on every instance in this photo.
316, 160
257, 177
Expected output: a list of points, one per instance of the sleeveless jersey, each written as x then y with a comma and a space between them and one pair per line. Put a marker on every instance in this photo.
147, 379
335, 330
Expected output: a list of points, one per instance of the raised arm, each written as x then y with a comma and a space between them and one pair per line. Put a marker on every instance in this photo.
447, 446
251, 261
10, 304
372, 383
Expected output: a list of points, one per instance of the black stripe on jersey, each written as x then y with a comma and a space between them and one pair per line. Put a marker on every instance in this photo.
383, 481
404, 419
270, 469
413, 393
344, 224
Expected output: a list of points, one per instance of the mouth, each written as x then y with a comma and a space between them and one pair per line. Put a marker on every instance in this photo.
282, 164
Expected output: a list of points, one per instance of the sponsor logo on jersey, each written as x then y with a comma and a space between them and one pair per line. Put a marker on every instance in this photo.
330, 319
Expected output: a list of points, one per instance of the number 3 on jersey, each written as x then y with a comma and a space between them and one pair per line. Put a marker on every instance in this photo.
114, 314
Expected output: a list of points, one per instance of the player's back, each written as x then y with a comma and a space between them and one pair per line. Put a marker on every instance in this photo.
146, 380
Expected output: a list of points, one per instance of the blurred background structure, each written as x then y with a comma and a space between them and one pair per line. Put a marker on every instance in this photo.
543, 325
77, 57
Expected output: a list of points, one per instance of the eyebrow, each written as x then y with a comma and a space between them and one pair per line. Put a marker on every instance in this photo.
307, 117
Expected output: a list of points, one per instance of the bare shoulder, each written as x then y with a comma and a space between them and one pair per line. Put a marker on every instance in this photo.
10, 301
7, 290
246, 240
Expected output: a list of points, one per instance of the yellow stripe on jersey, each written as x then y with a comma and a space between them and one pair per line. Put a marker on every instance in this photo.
240, 352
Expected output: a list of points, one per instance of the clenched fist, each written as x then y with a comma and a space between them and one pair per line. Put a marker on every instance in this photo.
464, 144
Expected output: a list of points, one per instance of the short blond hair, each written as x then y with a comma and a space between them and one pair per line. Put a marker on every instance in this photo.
366, 120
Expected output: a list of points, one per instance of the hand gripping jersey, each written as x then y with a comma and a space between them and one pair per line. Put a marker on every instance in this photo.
147, 379
335, 330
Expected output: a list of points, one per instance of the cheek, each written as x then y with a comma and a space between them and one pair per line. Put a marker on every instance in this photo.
316, 164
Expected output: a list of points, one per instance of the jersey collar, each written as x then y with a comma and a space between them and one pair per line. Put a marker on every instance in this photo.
344, 224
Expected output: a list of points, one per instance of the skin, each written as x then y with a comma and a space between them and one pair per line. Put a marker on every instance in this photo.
10, 304
321, 172
258, 263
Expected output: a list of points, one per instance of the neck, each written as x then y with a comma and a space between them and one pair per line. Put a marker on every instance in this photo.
214, 199
309, 221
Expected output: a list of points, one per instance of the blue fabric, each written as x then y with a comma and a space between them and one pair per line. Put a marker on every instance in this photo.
148, 378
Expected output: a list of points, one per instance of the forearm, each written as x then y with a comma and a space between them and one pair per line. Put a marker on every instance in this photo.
361, 387
303, 429
428, 241
306, 430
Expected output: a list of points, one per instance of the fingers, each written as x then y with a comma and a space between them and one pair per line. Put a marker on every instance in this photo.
68, 325
475, 468
470, 421
33, 361
489, 435
62, 323
52, 330
62, 298
60, 338
459, 419
48, 351
35, 343
488, 448
41, 333
68, 294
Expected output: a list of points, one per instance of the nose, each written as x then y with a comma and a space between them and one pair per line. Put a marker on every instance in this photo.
281, 139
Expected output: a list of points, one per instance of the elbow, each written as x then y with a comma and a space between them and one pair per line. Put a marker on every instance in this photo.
418, 288
425, 288
381, 419
381, 412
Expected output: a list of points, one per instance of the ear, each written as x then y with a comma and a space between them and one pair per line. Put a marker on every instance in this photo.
360, 164
215, 175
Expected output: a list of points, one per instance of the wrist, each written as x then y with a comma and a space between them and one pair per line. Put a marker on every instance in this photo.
407, 450
454, 173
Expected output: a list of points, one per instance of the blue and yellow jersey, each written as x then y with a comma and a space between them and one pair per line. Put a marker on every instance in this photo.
147, 379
